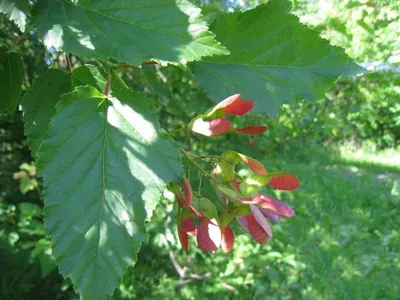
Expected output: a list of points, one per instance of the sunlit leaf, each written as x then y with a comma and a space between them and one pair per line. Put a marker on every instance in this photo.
273, 60
131, 31
104, 163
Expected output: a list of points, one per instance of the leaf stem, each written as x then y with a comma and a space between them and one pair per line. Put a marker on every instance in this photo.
20, 38
69, 64
192, 161
107, 88
127, 66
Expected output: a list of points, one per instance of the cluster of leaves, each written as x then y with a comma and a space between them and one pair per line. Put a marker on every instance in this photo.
103, 156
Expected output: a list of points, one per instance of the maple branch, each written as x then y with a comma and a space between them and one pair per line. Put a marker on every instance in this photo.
20, 38
188, 156
69, 64
128, 66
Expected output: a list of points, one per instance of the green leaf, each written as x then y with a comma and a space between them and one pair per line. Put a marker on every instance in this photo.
104, 163
206, 207
96, 77
273, 60
16, 10
39, 102
132, 31
11, 78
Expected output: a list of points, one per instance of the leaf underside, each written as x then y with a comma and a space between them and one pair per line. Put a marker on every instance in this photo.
131, 31
274, 59
104, 164
11, 79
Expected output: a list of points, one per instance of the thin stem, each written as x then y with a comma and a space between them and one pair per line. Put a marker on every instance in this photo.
127, 66
200, 182
19, 39
69, 64
107, 88
190, 159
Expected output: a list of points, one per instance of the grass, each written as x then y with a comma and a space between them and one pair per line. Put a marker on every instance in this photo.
344, 242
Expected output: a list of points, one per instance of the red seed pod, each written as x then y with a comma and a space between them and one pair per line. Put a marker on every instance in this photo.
284, 181
228, 238
254, 130
187, 189
235, 105
208, 235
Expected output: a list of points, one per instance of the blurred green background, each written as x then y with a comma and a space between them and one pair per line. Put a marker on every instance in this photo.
344, 242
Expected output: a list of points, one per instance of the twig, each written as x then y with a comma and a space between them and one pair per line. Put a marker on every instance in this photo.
20, 38
190, 159
127, 66
69, 64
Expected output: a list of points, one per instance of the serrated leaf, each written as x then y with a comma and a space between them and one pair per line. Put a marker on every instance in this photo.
39, 102
96, 77
16, 10
11, 78
104, 163
274, 59
131, 31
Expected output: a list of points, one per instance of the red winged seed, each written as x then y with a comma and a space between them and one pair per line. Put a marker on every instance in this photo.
211, 128
251, 130
188, 227
235, 105
184, 239
187, 189
254, 164
228, 238
270, 204
276, 206
208, 235
273, 217
243, 223
284, 181
261, 220
256, 231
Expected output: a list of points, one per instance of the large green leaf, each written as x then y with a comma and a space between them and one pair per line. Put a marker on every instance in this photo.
17, 10
104, 164
273, 59
11, 78
39, 102
132, 31
97, 77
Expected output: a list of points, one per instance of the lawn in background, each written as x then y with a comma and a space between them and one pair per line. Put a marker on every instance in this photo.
344, 242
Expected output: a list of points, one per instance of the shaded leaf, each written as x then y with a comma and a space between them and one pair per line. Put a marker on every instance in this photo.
11, 79
273, 60
96, 77
104, 163
205, 207
39, 104
131, 31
